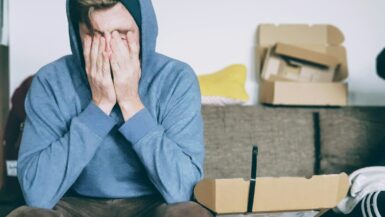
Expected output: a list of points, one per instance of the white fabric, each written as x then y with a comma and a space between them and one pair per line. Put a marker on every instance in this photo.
220, 101
362, 182
367, 203
11, 168
375, 208
363, 210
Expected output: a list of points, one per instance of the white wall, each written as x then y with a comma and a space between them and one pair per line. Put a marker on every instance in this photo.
212, 34
4, 22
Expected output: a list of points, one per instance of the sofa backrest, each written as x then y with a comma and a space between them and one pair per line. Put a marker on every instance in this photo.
352, 138
292, 141
285, 138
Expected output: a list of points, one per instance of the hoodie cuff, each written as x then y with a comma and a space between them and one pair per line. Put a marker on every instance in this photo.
138, 126
95, 119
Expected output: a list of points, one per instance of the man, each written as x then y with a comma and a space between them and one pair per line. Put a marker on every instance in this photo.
118, 128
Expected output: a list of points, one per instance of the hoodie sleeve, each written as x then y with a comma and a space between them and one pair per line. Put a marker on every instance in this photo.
54, 151
173, 150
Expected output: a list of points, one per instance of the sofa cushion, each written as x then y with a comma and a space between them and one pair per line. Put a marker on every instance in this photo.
352, 138
285, 138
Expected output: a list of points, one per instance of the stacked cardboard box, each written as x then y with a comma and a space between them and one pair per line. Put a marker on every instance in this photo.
302, 65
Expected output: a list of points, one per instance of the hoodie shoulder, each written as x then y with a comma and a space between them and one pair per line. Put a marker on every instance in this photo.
174, 67
176, 75
55, 78
176, 78
55, 69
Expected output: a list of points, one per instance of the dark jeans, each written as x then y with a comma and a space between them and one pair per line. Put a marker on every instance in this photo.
148, 206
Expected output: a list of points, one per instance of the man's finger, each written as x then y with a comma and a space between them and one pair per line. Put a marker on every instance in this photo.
86, 51
99, 63
94, 52
106, 65
107, 36
133, 44
114, 64
118, 47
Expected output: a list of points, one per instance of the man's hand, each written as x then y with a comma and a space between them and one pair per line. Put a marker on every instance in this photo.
99, 73
126, 70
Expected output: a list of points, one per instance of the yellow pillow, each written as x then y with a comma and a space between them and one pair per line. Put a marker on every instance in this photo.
223, 87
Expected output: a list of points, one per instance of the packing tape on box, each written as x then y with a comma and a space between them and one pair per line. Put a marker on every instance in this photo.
254, 162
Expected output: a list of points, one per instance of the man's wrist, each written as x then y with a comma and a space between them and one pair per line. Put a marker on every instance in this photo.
105, 107
130, 107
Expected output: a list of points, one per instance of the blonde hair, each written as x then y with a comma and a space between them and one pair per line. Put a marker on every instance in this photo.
85, 7
97, 3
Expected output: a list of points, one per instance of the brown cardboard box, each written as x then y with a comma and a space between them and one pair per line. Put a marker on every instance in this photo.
283, 194
324, 39
292, 63
303, 93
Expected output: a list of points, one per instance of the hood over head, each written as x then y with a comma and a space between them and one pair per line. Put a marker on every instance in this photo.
144, 16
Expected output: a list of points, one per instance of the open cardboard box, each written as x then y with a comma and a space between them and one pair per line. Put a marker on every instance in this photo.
290, 63
282, 194
324, 39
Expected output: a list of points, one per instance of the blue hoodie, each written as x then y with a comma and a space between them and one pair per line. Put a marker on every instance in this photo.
69, 143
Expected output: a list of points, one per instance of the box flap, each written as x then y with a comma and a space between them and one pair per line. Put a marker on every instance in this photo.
325, 35
326, 39
305, 55
205, 191
273, 194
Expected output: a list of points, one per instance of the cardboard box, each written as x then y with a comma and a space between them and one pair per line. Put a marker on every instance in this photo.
283, 194
292, 63
306, 94
323, 39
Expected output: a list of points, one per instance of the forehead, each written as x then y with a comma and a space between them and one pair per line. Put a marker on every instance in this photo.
110, 19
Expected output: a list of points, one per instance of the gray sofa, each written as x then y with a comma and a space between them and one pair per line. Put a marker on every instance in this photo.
292, 141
